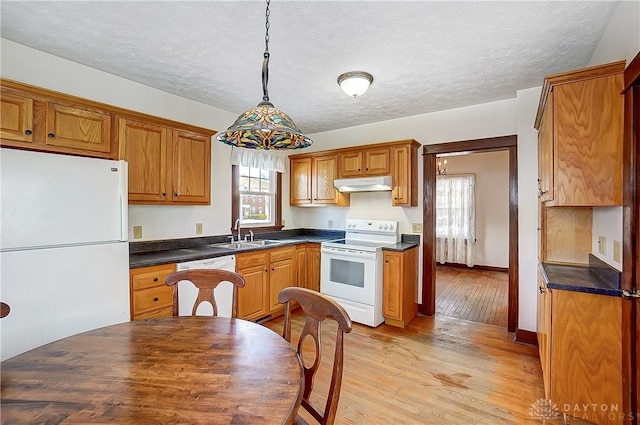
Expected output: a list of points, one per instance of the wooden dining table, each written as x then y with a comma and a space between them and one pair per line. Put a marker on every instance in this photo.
173, 370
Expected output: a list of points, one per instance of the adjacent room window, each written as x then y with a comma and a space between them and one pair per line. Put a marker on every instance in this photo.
455, 218
256, 197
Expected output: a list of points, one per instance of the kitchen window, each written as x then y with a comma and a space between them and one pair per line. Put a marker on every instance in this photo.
256, 197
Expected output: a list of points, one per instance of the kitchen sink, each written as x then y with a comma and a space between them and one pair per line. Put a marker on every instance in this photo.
266, 242
251, 244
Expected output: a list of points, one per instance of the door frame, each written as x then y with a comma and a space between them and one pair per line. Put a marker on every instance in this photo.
631, 239
510, 143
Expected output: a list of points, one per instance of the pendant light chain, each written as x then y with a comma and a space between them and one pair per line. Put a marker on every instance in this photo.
265, 62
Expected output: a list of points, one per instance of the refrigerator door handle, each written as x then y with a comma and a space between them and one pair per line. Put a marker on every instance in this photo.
124, 201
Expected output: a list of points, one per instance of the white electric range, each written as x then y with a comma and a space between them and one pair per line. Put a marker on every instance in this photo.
351, 268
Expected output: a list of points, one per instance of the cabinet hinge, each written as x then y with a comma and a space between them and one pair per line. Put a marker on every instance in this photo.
633, 294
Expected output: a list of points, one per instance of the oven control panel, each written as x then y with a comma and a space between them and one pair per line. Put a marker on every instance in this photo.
371, 226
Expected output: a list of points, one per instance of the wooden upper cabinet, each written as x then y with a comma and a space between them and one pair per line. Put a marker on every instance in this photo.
16, 117
300, 181
144, 147
78, 127
405, 176
166, 166
580, 122
365, 162
191, 168
311, 180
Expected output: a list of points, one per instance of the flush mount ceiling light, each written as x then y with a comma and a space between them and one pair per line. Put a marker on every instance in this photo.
355, 83
264, 127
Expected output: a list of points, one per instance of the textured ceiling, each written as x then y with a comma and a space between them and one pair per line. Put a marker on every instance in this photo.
425, 56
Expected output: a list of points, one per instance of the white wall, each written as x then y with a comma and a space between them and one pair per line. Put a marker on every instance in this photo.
621, 40
492, 203
21, 63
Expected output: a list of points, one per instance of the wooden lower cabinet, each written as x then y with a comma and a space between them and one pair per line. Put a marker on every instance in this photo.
308, 266
149, 296
584, 364
400, 287
544, 331
266, 273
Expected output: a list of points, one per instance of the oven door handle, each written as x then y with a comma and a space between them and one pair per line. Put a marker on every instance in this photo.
340, 252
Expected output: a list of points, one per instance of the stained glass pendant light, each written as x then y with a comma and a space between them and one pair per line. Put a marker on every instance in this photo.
264, 127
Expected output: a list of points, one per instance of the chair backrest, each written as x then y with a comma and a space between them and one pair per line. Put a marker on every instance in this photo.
317, 307
4, 309
206, 280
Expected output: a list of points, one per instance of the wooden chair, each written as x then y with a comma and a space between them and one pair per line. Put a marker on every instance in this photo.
4, 310
206, 281
317, 307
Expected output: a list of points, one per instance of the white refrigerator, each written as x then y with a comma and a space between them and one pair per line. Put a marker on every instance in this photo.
64, 255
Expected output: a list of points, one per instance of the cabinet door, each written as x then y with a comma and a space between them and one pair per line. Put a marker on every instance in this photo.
350, 164
377, 162
545, 153
281, 275
78, 128
543, 320
144, 147
16, 117
392, 298
191, 177
252, 299
587, 142
325, 170
313, 267
300, 181
401, 176
301, 266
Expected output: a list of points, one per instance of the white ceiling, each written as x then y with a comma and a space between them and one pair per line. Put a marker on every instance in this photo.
425, 56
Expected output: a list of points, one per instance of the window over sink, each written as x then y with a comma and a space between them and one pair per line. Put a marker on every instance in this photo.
256, 198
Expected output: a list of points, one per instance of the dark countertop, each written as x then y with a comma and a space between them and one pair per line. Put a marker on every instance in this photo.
595, 278
153, 253
407, 242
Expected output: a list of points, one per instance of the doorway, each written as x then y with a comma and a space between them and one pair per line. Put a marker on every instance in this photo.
430, 152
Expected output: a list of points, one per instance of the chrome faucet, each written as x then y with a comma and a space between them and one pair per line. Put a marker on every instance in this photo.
237, 227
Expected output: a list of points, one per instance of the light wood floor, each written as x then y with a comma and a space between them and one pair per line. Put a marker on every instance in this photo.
471, 294
438, 371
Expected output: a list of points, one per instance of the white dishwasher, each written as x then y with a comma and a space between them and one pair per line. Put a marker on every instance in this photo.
187, 292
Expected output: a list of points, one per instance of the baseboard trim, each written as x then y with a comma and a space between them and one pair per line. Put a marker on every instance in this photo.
526, 337
475, 267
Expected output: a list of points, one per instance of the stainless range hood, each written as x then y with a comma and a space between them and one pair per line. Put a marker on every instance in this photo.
363, 184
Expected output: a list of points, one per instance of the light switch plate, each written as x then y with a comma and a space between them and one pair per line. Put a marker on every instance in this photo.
602, 245
416, 227
198, 228
330, 224
137, 232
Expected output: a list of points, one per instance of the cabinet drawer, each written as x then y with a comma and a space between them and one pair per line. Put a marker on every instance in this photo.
152, 299
244, 261
163, 312
282, 254
151, 277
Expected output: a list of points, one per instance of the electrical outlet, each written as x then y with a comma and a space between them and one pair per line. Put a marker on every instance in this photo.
137, 232
330, 224
416, 227
616, 251
602, 245
198, 228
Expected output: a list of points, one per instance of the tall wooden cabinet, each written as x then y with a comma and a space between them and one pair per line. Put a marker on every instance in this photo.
400, 283
580, 137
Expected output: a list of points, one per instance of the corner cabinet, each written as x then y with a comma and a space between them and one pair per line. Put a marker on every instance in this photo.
311, 181
405, 174
400, 287
167, 165
580, 124
149, 296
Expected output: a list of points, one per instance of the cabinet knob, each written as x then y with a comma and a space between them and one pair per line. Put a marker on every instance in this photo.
28, 132
164, 193
266, 270
51, 135
542, 289
175, 194
155, 299
155, 279
386, 261
366, 169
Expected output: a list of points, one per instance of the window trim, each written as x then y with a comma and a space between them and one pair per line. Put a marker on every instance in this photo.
235, 202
